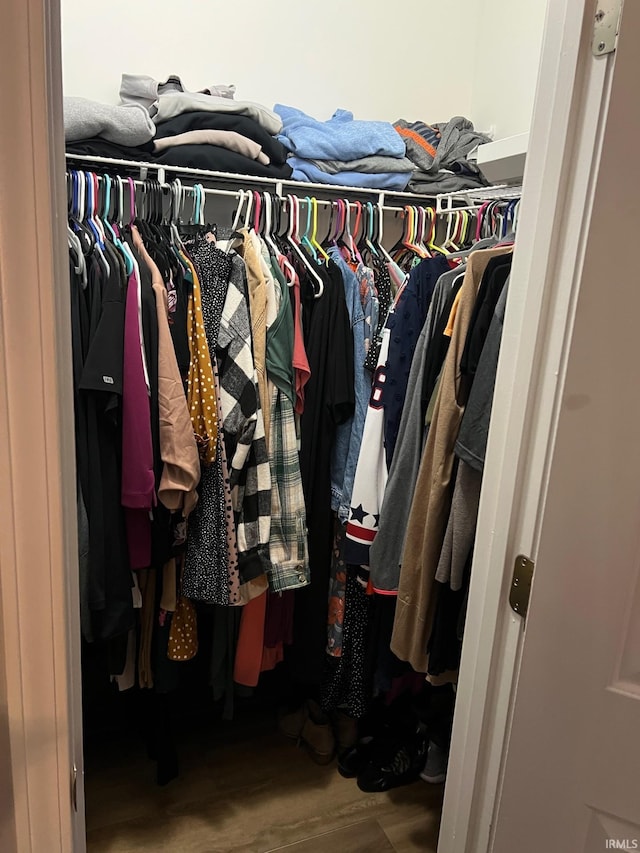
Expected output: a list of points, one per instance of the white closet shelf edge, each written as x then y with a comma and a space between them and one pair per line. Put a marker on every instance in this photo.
236, 179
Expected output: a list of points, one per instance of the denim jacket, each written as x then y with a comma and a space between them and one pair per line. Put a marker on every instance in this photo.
346, 448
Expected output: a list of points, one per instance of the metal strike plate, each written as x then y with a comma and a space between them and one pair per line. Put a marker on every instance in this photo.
74, 788
606, 26
521, 585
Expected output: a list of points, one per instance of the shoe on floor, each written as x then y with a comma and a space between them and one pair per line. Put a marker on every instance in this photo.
402, 767
351, 762
435, 768
345, 729
291, 723
317, 734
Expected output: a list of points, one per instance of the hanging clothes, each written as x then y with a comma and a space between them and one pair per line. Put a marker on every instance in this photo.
385, 552
288, 550
432, 495
98, 313
329, 401
206, 567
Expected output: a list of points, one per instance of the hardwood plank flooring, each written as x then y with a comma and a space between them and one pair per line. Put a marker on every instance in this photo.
244, 788
360, 837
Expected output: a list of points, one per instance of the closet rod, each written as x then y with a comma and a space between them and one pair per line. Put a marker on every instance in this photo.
232, 178
235, 194
320, 201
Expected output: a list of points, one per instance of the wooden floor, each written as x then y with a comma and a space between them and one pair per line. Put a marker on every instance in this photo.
246, 789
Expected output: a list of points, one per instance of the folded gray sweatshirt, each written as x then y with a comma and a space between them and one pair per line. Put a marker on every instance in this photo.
375, 165
142, 89
126, 124
170, 104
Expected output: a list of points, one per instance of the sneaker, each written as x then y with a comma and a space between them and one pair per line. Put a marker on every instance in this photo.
353, 761
435, 768
402, 767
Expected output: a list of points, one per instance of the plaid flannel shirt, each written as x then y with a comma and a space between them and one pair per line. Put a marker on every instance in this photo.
288, 545
243, 426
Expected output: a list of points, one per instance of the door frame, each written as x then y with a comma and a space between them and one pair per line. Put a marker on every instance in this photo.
40, 702
40, 634
564, 144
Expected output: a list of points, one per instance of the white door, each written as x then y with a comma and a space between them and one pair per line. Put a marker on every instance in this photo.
571, 770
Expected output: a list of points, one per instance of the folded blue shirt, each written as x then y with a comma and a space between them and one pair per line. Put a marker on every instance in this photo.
339, 138
303, 170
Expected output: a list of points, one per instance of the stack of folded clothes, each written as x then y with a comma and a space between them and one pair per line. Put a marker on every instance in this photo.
439, 155
344, 151
164, 123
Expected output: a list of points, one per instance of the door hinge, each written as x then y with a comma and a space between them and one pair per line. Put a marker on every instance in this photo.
521, 585
74, 787
606, 26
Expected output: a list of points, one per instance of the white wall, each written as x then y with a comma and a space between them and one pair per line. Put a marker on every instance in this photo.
429, 60
508, 49
383, 61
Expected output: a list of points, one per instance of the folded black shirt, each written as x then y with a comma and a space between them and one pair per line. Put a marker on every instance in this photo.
243, 125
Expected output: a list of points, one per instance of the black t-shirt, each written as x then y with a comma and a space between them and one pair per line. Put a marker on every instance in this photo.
100, 386
244, 125
329, 401
493, 281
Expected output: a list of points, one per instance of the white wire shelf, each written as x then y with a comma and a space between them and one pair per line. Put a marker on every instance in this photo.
472, 199
145, 170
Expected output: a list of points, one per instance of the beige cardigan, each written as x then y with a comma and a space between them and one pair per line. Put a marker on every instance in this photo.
257, 287
432, 498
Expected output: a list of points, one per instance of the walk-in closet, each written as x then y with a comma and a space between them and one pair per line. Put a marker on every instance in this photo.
304, 295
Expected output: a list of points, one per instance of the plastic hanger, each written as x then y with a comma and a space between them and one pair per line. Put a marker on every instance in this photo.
76, 214
305, 239
332, 212
380, 234
94, 223
73, 241
293, 241
92, 220
421, 231
479, 219
340, 222
404, 247
449, 244
433, 233
349, 242
257, 209
290, 273
268, 236
371, 215
114, 189
247, 215
314, 232
236, 219
358, 222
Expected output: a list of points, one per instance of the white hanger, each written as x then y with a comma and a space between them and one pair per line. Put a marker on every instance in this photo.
247, 216
80, 262
236, 218
294, 209
267, 222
